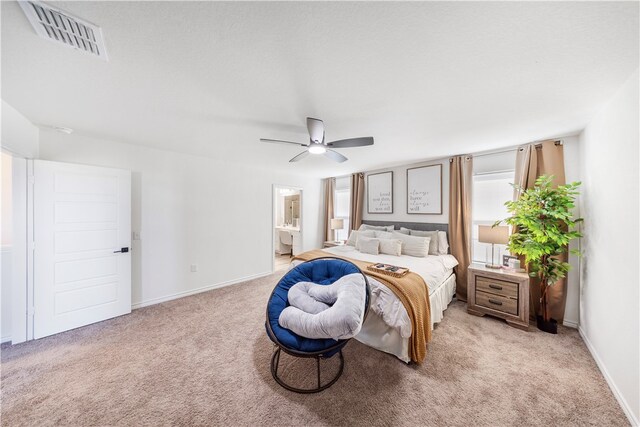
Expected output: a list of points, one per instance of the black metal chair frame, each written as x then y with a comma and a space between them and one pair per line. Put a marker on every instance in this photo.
279, 347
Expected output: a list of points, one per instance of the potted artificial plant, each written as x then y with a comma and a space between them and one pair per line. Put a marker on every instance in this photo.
543, 225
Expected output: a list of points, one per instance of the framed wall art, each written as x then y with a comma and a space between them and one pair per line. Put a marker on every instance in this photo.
380, 193
424, 190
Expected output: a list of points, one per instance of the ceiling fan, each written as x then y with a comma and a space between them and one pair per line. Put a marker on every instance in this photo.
317, 144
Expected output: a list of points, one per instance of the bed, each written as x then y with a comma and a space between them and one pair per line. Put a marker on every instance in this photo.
387, 328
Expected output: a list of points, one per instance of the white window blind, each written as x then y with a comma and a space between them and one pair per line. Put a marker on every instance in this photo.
490, 191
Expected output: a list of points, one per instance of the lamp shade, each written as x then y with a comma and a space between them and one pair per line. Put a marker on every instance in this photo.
498, 235
337, 224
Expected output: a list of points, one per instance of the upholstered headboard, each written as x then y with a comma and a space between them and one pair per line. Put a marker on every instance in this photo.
423, 226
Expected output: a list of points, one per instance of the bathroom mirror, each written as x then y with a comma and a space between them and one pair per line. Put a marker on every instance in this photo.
292, 209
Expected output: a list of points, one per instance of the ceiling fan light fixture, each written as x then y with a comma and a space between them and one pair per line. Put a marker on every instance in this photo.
317, 149
317, 144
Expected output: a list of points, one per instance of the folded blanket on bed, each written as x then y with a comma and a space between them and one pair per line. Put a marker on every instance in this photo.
412, 291
333, 311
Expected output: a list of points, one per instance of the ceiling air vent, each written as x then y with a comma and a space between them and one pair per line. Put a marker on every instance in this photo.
61, 27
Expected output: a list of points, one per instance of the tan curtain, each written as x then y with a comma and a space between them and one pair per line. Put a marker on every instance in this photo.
532, 161
329, 190
357, 200
460, 172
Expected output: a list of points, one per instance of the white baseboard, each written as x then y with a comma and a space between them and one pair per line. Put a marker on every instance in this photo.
621, 400
5, 339
570, 324
197, 290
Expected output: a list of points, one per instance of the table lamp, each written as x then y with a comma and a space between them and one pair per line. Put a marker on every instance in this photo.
336, 224
496, 236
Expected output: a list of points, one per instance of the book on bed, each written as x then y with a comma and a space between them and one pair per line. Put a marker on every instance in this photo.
391, 270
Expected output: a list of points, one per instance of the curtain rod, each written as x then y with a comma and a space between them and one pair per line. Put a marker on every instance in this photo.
518, 148
537, 144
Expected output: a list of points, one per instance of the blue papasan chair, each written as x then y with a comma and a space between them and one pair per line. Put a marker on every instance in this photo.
322, 271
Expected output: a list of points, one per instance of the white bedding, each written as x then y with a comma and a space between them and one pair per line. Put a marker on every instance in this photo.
434, 269
377, 334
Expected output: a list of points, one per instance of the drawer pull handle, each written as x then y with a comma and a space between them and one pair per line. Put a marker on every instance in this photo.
492, 286
492, 301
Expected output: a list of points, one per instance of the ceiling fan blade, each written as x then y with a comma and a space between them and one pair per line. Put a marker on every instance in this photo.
316, 129
335, 156
300, 156
352, 142
279, 141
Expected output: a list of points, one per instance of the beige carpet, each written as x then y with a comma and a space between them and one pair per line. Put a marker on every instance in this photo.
204, 360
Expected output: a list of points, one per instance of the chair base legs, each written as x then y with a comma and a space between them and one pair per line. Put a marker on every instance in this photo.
275, 361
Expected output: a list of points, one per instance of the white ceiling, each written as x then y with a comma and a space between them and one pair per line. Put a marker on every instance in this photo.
424, 79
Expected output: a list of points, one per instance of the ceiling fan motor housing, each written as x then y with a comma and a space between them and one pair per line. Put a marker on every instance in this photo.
317, 144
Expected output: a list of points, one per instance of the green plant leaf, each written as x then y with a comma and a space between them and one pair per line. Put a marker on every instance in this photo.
543, 221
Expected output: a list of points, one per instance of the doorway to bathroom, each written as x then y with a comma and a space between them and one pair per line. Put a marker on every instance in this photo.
287, 225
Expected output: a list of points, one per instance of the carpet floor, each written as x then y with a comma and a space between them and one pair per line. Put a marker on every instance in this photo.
204, 360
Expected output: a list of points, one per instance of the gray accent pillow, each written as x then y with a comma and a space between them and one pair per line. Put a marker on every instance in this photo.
443, 243
391, 246
376, 227
413, 245
299, 297
353, 237
368, 245
345, 299
383, 235
404, 231
433, 243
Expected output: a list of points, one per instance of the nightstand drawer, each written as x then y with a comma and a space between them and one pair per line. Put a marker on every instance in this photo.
497, 302
498, 287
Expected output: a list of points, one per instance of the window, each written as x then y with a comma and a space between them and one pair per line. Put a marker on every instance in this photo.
490, 191
341, 205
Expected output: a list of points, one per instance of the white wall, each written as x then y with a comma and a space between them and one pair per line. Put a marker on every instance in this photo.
7, 227
7, 232
192, 210
609, 306
400, 196
19, 135
21, 138
5, 294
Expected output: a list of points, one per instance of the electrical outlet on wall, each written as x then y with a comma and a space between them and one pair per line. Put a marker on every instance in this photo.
194, 268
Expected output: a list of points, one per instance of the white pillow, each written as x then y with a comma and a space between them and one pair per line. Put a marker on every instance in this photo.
383, 235
443, 243
391, 246
353, 237
413, 245
368, 245
433, 243
376, 227
404, 231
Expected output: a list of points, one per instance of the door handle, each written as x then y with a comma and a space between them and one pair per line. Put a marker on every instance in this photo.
122, 250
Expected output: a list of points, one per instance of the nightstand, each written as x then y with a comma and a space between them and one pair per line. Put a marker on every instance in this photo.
498, 293
332, 243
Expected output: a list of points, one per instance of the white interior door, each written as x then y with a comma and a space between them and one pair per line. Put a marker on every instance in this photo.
82, 232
